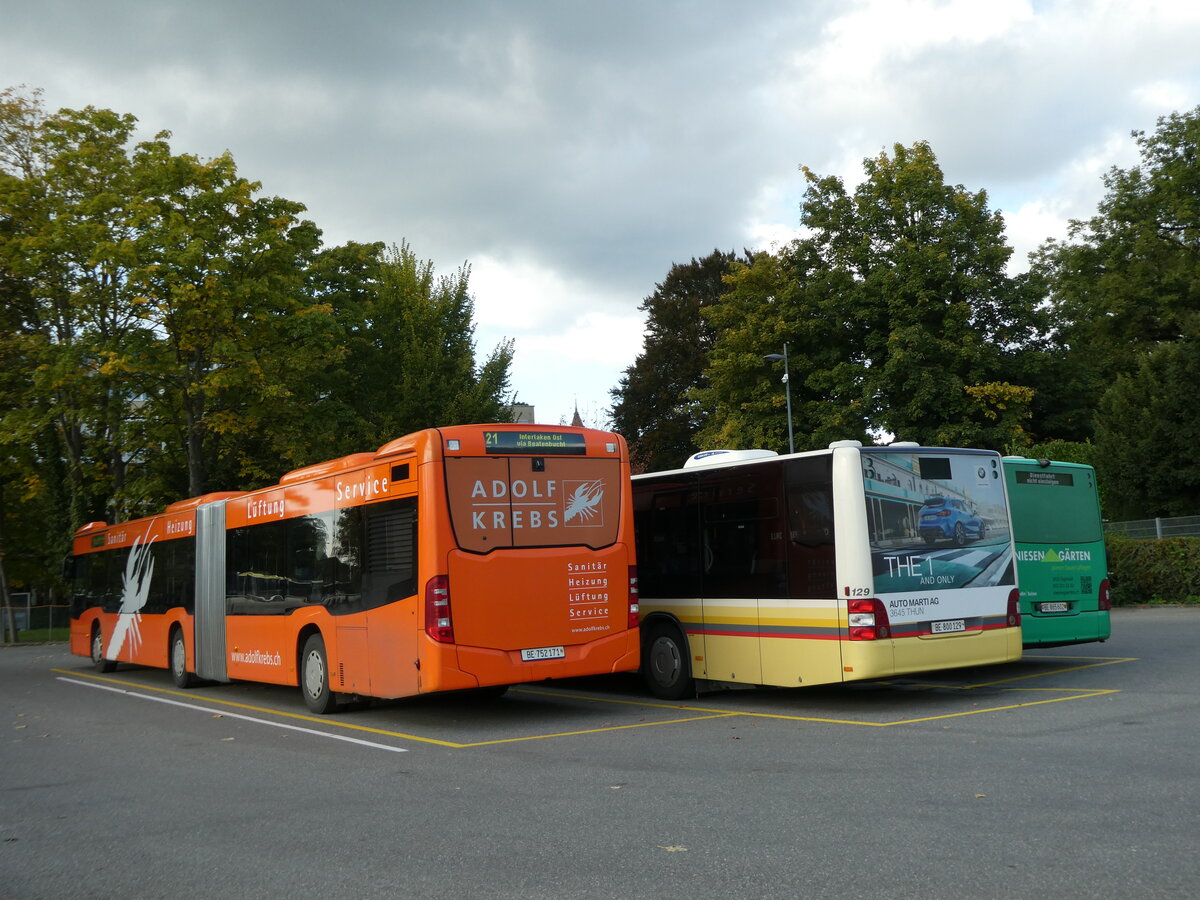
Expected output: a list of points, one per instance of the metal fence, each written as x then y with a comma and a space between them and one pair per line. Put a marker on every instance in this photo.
1180, 526
30, 612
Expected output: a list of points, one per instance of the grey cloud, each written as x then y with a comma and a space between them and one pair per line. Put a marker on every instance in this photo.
603, 141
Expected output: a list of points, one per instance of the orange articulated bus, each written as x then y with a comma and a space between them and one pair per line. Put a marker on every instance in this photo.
465, 557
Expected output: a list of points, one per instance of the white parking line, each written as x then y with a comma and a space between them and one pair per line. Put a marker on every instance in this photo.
232, 715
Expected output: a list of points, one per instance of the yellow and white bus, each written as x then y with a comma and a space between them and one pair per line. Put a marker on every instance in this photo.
842, 564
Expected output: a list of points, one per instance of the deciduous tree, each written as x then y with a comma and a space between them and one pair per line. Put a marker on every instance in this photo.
409, 348
655, 405
898, 314
169, 330
789, 298
1146, 430
1128, 279
929, 304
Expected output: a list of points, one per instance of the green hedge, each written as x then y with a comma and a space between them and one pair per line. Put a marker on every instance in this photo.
1153, 571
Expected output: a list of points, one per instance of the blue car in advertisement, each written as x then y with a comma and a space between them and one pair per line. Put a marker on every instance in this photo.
949, 519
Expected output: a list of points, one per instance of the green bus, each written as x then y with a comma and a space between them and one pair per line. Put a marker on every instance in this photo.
1062, 568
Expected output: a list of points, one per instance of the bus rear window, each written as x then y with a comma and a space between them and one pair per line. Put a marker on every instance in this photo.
499, 502
1050, 507
934, 468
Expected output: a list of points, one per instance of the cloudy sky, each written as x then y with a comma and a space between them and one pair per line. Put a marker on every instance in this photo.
571, 152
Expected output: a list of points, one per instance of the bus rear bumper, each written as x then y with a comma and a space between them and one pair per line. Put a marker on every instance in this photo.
484, 667
909, 655
1042, 630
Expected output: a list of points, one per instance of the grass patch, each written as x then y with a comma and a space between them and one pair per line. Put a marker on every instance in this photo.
43, 635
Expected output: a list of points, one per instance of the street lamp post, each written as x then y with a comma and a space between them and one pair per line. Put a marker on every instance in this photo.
787, 385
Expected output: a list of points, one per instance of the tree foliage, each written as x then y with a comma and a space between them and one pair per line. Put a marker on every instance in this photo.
407, 357
898, 315
779, 299
1144, 435
899, 319
1126, 280
931, 310
169, 330
1125, 289
655, 405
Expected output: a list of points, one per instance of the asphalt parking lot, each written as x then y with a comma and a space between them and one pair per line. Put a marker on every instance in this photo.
565, 709
1071, 771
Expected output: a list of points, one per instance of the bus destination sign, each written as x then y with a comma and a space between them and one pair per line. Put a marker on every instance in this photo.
546, 443
1057, 479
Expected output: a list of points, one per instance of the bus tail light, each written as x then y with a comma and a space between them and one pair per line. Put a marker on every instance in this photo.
438, 624
634, 597
868, 620
1014, 608
1105, 603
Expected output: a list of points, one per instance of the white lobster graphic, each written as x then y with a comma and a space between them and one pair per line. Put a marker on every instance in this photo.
135, 591
584, 500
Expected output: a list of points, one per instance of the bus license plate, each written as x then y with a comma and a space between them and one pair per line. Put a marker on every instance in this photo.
948, 626
536, 653
1056, 606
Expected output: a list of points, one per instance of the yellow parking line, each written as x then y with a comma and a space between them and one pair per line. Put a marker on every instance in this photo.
601, 730
817, 719
1108, 661
703, 712
1105, 661
973, 712
351, 726
646, 703
323, 720
970, 712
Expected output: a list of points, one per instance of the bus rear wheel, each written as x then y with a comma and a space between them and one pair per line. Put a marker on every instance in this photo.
179, 673
98, 660
314, 676
666, 669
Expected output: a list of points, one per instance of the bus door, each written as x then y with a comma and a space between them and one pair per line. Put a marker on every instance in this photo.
670, 556
801, 632
372, 596
210, 592
742, 545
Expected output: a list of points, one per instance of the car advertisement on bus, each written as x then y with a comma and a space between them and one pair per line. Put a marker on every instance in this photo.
938, 523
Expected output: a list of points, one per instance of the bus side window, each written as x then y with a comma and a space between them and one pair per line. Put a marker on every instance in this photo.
390, 566
94, 582
78, 572
255, 557
159, 599
237, 567
115, 592
344, 579
309, 545
667, 531
182, 579
744, 535
811, 561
